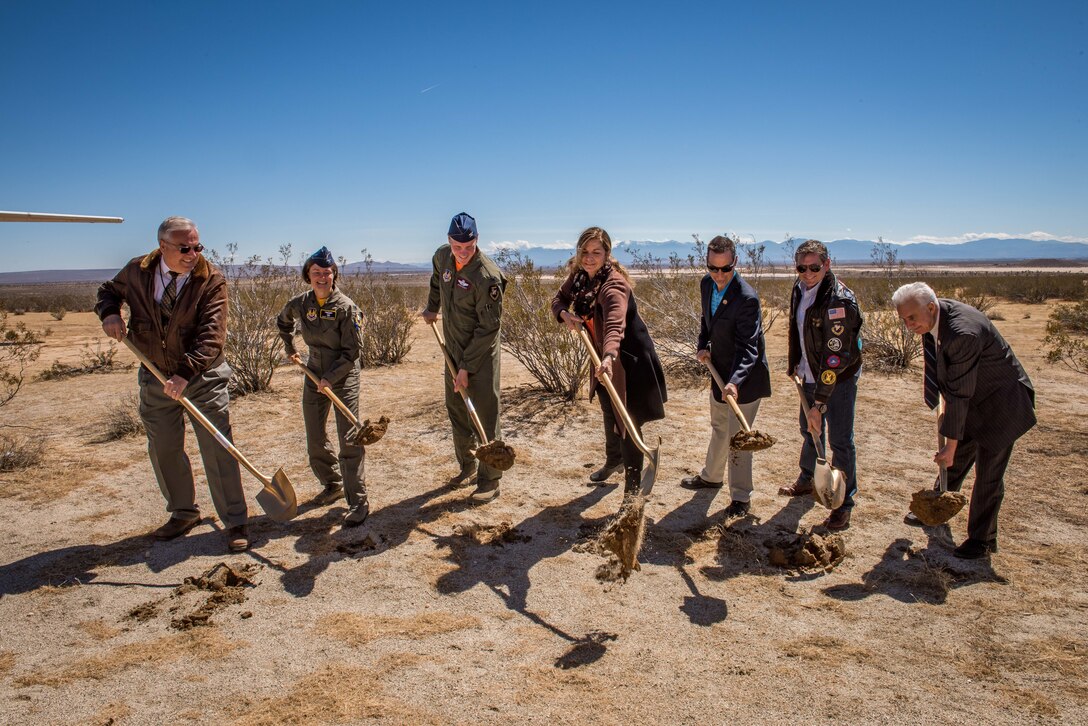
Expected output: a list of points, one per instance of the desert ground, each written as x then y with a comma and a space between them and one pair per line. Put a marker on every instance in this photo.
433, 612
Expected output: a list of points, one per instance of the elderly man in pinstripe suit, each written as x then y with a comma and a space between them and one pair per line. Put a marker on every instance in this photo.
989, 401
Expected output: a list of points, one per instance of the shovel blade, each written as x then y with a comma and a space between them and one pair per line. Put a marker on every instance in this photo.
828, 485
649, 470
278, 499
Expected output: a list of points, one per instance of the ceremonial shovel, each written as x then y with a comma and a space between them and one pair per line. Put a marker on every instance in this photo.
277, 498
363, 434
935, 507
494, 453
828, 483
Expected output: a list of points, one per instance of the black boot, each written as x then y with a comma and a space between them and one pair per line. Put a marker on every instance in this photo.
632, 483
605, 471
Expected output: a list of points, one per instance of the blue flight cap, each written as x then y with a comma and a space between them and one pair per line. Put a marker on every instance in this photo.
463, 228
323, 257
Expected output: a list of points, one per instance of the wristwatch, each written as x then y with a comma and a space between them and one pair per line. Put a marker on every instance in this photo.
821, 407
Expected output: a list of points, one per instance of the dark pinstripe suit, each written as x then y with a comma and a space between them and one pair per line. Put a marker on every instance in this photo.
989, 404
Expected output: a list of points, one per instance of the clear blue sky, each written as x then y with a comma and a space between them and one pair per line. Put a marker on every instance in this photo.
369, 124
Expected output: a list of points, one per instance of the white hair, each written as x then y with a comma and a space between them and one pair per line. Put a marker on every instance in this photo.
174, 224
919, 291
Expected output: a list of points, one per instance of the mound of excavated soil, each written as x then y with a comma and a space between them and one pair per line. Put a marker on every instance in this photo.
372, 431
805, 551
495, 534
751, 441
934, 507
225, 585
497, 454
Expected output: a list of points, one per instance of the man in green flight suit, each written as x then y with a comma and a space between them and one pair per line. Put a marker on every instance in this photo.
467, 288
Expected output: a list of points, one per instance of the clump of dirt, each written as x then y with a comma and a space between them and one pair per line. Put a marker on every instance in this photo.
226, 586
622, 536
934, 507
371, 432
751, 441
806, 550
496, 454
144, 612
496, 534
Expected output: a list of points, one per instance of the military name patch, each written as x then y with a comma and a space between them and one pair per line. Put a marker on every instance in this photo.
834, 344
837, 329
463, 283
446, 275
493, 292
828, 377
311, 314
833, 361
836, 313
328, 314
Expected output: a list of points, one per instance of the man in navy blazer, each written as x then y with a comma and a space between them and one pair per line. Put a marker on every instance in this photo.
989, 401
731, 339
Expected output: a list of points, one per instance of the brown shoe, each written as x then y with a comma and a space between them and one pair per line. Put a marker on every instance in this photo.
175, 527
238, 538
838, 520
698, 482
486, 490
799, 488
464, 478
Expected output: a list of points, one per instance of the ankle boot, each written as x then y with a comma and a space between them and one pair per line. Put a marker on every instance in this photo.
632, 483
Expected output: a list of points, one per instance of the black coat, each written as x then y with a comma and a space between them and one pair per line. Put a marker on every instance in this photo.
734, 335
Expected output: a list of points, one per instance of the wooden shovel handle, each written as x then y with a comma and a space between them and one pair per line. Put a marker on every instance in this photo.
616, 402
332, 396
223, 440
941, 441
453, 372
729, 399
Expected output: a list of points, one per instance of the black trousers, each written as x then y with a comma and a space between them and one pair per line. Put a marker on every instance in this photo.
618, 449
989, 489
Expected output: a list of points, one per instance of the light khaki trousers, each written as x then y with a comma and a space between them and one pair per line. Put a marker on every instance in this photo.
723, 426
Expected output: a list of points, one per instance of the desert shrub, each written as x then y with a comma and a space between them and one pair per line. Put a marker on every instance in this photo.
20, 452
97, 359
258, 290
388, 308
72, 297
530, 333
58, 312
1067, 336
19, 347
123, 418
995, 314
887, 345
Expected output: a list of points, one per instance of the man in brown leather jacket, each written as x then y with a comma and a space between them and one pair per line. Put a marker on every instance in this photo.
178, 318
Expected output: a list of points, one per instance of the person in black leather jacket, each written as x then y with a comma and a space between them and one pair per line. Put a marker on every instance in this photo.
825, 352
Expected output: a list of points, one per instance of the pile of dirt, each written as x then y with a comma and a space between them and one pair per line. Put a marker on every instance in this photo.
622, 537
494, 534
496, 454
226, 586
144, 612
934, 507
371, 432
751, 441
803, 551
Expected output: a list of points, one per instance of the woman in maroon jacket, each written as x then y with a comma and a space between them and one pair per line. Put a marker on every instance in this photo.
599, 291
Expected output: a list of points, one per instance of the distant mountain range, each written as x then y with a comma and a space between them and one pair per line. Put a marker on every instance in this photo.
987, 250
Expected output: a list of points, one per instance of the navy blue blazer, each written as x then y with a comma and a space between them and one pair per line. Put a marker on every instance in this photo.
988, 396
734, 335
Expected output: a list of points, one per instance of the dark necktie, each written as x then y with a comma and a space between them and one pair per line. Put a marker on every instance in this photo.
169, 296
929, 390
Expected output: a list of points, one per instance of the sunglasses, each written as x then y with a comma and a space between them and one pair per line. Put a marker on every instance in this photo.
723, 268
810, 268
186, 249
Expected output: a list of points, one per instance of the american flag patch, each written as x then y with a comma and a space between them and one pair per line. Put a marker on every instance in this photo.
836, 313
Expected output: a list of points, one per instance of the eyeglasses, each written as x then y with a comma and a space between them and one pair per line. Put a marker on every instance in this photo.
810, 268
186, 249
723, 268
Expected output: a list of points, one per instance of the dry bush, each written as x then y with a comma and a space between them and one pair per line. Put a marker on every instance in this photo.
887, 345
123, 418
72, 297
91, 360
58, 312
20, 452
530, 333
1067, 336
388, 308
19, 347
995, 315
257, 291
670, 304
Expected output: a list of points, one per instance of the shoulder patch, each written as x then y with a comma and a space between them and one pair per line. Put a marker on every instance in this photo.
493, 292
836, 313
828, 378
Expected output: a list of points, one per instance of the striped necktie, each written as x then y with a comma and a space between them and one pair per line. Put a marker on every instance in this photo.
929, 390
169, 296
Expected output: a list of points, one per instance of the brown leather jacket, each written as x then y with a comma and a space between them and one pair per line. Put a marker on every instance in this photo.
193, 340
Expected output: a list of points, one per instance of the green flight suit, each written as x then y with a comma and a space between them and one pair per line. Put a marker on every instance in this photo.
470, 301
332, 333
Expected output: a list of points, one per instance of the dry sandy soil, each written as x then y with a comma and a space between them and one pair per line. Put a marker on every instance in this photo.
414, 620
